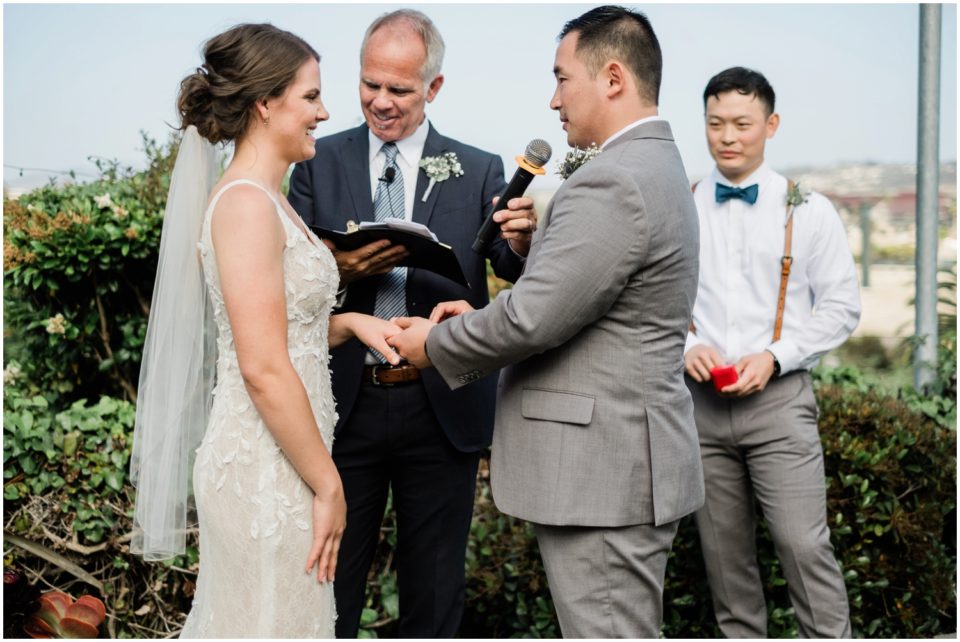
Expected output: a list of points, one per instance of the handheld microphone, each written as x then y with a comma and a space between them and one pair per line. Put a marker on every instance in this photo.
388, 175
534, 158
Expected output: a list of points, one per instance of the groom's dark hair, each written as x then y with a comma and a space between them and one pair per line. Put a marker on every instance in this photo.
612, 32
743, 81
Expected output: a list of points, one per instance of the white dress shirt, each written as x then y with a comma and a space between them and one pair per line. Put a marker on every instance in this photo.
410, 151
740, 250
628, 128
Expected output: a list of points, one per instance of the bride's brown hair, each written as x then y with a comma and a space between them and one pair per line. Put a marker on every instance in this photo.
241, 66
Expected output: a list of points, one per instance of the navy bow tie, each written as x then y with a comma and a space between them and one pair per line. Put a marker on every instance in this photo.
748, 194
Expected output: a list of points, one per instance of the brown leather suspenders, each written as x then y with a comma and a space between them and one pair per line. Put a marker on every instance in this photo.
786, 262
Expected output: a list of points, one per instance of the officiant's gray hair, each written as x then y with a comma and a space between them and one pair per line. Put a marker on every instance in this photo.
422, 25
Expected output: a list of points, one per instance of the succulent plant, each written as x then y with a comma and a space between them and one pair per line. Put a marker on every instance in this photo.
58, 616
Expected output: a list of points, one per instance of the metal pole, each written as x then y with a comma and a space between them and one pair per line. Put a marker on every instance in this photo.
928, 183
865, 257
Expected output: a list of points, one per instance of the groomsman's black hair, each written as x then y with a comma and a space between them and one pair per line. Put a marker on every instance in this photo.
745, 81
612, 32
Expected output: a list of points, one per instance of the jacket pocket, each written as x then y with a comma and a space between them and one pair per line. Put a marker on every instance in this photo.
554, 405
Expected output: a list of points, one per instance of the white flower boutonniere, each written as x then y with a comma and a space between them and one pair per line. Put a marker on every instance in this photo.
440, 168
796, 196
574, 159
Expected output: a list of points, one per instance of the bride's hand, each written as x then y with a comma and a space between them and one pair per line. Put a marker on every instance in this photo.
374, 332
329, 521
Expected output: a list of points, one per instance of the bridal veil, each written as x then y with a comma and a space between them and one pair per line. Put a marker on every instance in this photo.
178, 365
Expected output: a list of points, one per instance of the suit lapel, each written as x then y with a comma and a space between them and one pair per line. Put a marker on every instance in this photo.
356, 161
422, 212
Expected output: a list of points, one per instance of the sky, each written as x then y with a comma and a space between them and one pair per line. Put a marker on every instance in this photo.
82, 80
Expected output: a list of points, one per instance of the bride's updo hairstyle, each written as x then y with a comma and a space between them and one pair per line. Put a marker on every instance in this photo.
241, 66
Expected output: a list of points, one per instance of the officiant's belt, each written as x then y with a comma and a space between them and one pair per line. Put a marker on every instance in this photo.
387, 375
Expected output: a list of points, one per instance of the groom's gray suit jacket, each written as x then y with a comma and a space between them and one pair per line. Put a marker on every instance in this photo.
594, 425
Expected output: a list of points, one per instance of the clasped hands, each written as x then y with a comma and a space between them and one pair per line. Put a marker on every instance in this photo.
404, 337
411, 343
517, 224
753, 371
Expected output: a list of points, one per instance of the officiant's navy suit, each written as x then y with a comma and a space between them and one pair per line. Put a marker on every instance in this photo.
421, 438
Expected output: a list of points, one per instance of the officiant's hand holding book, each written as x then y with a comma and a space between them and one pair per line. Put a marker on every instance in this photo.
373, 259
379, 246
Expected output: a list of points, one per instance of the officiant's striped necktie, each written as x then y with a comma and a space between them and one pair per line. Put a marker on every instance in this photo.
388, 203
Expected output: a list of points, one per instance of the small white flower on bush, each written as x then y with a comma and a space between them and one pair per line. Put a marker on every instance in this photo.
57, 324
119, 211
104, 201
440, 168
11, 372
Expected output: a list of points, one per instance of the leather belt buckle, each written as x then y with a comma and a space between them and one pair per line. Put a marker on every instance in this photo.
373, 376
385, 375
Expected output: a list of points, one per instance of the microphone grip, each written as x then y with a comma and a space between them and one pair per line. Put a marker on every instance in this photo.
490, 228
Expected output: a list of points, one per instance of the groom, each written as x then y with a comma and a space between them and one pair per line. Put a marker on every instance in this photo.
595, 441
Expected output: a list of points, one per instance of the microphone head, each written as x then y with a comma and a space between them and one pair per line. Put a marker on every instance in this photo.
538, 152
390, 174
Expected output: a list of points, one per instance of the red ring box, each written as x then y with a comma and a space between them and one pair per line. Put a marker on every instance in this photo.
723, 376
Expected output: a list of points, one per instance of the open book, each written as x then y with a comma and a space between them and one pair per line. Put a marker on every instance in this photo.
426, 251
399, 224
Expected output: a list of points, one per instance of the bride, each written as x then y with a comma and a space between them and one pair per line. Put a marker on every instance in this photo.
244, 290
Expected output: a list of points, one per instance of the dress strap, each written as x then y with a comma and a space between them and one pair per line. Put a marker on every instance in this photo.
243, 181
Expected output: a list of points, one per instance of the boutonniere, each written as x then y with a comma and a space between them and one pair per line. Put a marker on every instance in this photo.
440, 168
797, 197
574, 159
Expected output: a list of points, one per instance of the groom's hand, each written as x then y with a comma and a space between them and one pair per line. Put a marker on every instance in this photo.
517, 223
449, 309
372, 259
411, 343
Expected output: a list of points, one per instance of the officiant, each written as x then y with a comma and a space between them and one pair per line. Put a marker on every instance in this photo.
400, 428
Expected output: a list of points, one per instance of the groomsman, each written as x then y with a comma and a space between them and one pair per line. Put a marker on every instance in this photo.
777, 290
400, 429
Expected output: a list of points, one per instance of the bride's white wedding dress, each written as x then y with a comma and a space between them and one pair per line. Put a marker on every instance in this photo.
255, 511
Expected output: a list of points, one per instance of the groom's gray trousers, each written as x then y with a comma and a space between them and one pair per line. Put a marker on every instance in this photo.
766, 447
607, 582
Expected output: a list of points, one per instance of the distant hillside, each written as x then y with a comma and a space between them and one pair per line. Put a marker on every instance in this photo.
870, 179
874, 180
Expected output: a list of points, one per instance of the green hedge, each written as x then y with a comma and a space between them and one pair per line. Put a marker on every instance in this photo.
79, 264
67, 506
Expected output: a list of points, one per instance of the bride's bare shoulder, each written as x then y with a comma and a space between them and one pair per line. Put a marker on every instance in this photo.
241, 199
245, 211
